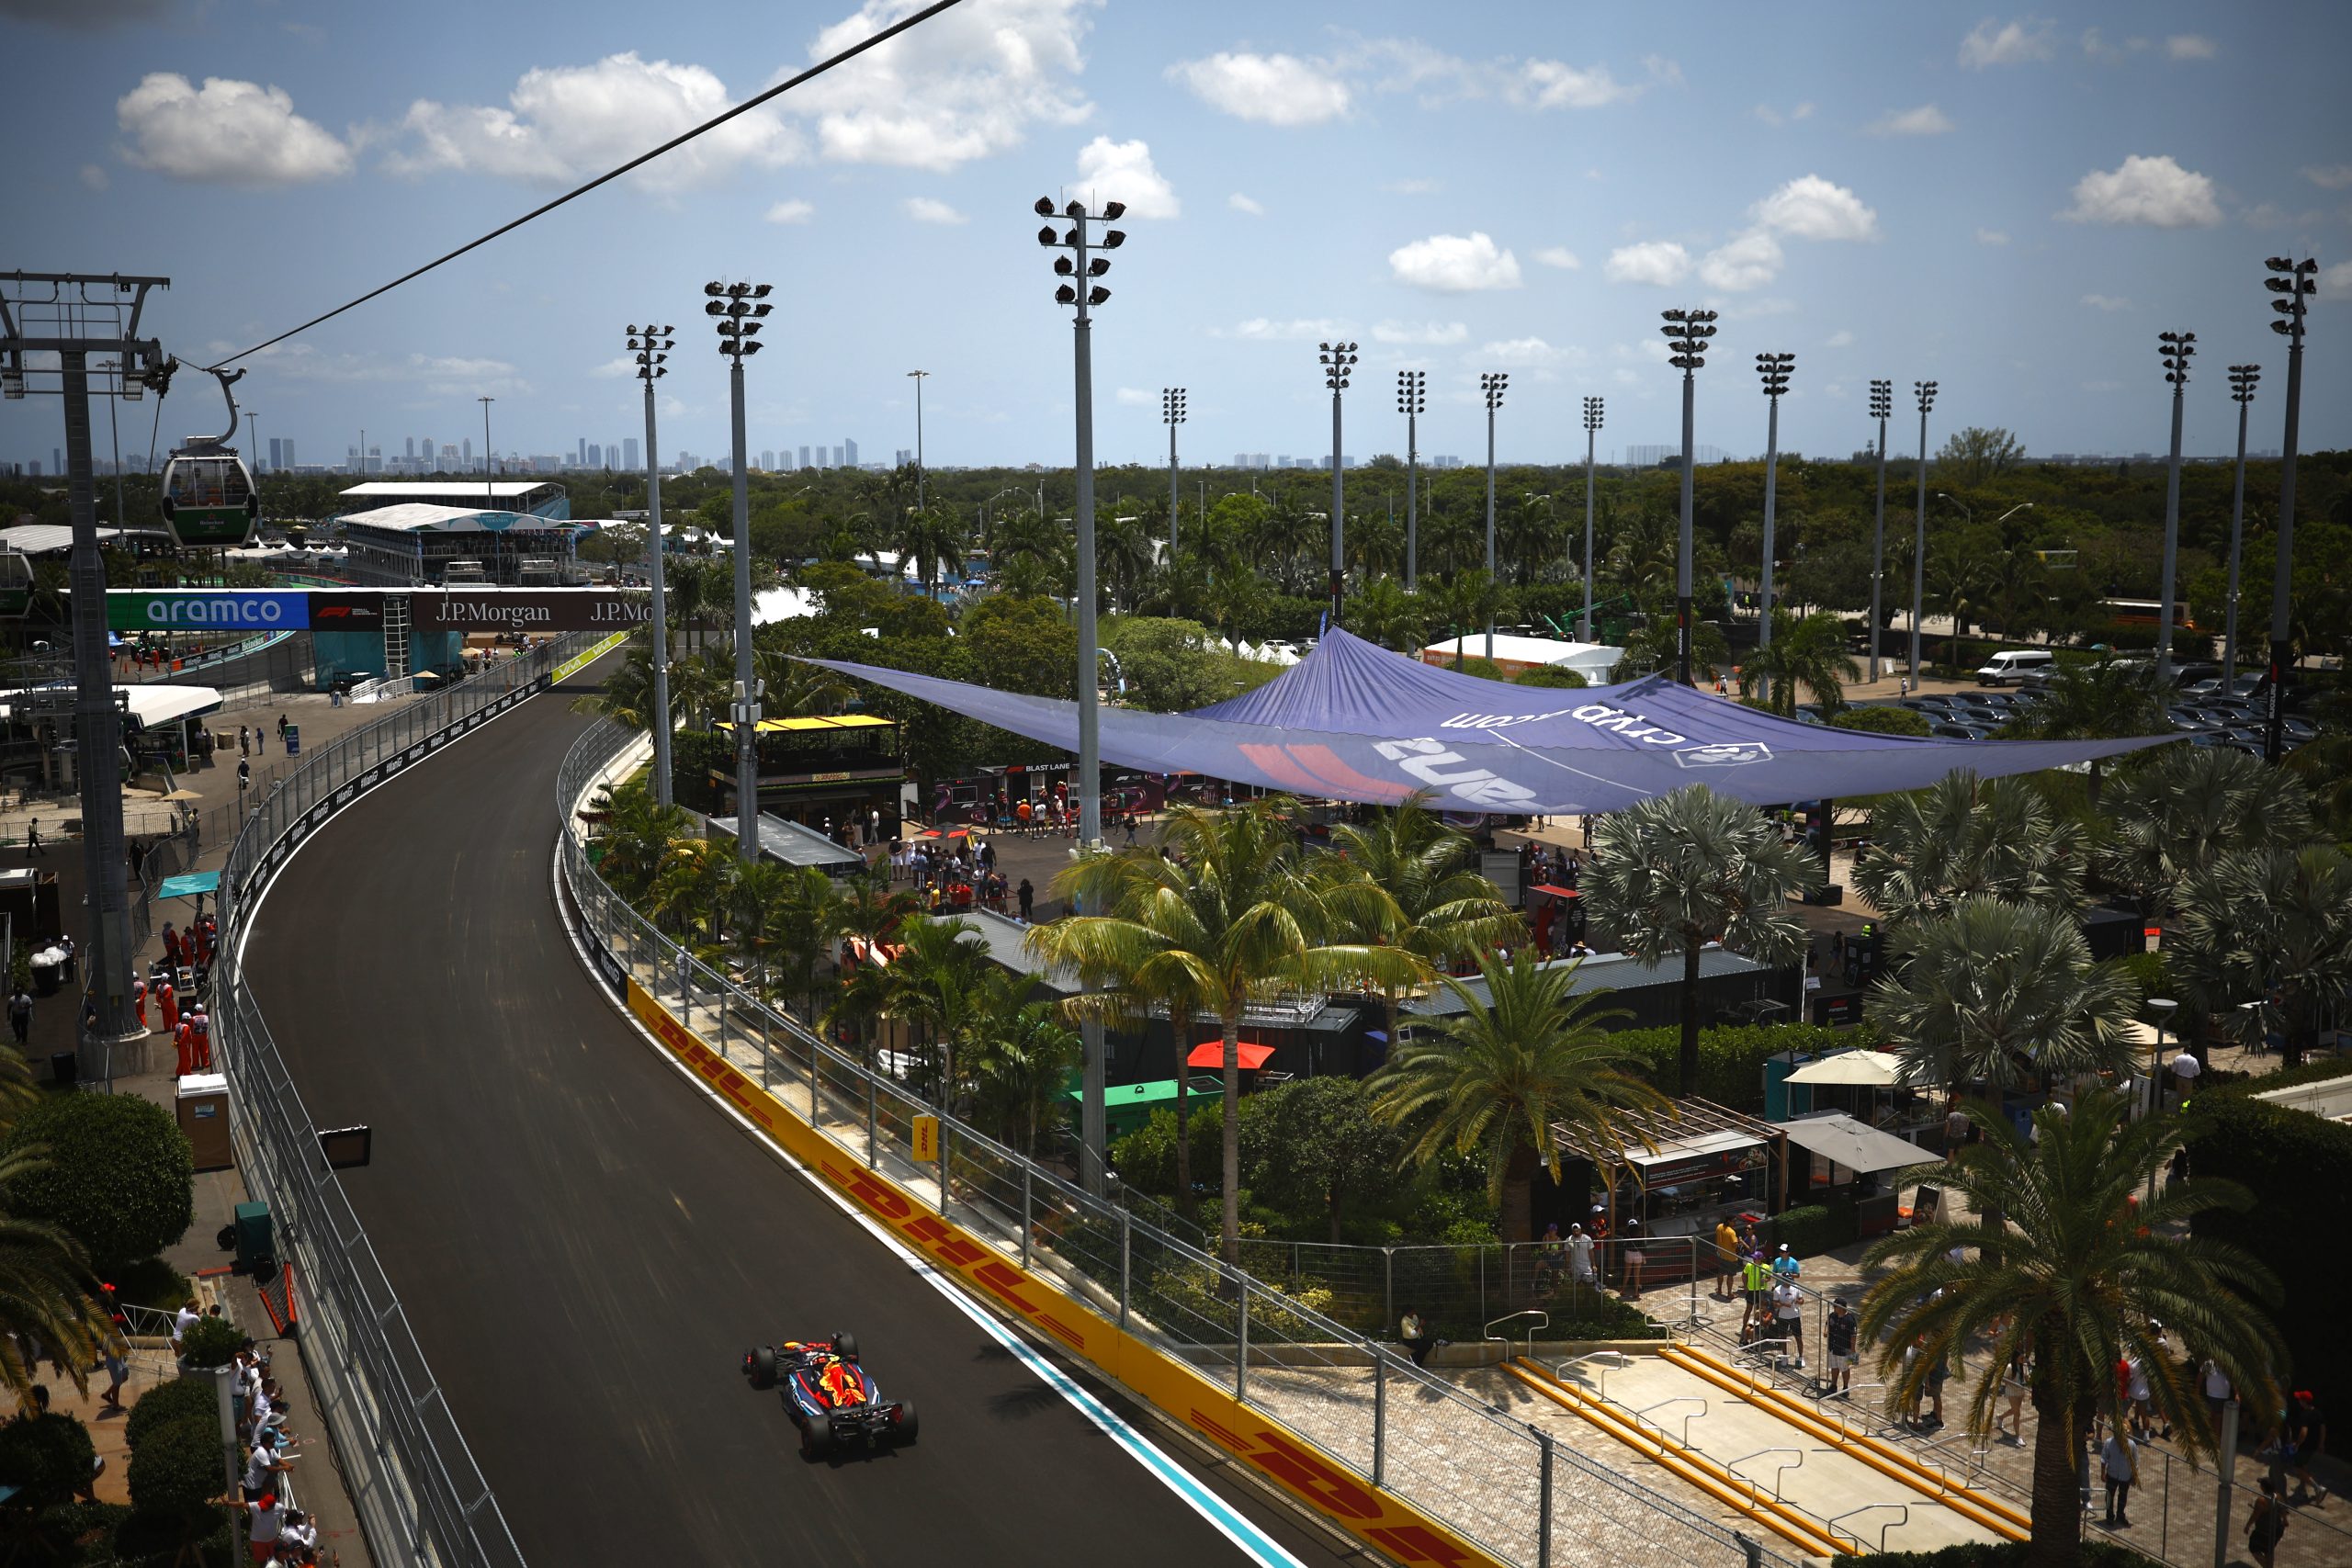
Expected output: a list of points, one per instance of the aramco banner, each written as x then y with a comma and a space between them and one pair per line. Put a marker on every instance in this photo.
235, 610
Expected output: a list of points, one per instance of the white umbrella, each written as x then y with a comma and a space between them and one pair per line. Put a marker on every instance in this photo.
1867, 1069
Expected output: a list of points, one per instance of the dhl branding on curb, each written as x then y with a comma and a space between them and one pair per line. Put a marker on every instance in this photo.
1375, 1515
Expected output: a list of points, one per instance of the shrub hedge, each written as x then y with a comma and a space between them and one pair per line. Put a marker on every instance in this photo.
177, 1470
46, 1457
1731, 1056
119, 1177
166, 1404
1815, 1228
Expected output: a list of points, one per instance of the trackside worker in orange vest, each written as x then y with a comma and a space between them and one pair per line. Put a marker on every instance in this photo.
203, 1041
167, 998
184, 1040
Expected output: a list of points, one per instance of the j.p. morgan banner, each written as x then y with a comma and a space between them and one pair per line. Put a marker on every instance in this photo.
241, 611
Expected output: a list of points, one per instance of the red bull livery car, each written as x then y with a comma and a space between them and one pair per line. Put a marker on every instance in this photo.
831, 1399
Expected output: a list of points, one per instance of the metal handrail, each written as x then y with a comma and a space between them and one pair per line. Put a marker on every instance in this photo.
1678, 1399
1797, 1463
1560, 1371
1543, 1320
1903, 1508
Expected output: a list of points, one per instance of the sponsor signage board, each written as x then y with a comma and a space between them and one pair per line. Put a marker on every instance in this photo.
206, 610
528, 610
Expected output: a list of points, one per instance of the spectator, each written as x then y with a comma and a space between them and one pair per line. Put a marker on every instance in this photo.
20, 1016
1415, 1334
245, 741
1787, 1317
2307, 1431
1028, 897
2118, 1463
1634, 1259
1936, 1376
300, 1538
2012, 1384
1757, 1281
1955, 1131
1727, 1259
1785, 1268
1550, 1252
2266, 1524
182, 1321
268, 1521
1838, 1332
262, 1465
2135, 1391
1580, 1246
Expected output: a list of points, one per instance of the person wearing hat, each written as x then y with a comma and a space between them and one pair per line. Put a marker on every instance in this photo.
269, 1523
1756, 1280
1837, 1332
1788, 1316
1580, 1246
200, 1040
1785, 1268
1632, 1249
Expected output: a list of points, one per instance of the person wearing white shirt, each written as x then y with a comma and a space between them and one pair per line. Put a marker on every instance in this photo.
182, 1321
268, 1521
1787, 1315
1579, 1255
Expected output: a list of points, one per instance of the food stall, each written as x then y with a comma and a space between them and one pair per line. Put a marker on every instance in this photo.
1835, 1159
1679, 1171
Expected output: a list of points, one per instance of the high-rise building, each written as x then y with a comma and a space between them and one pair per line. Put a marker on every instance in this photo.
57, 460
803, 456
580, 451
849, 454
425, 452
466, 453
629, 459
288, 452
595, 455
837, 457
767, 460
903, 458
276, 447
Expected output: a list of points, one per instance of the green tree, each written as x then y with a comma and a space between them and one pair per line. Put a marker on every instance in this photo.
1677, 872
2082, 1278
1404, 879
636, 838
1021, 1061
1382, 612
2270, 926
1975, 456
943, 983
1998, 993
1960, 838
1231, 916
1524, 1057
1326, 1150
2188, 806
931, 540
1653, 648
111, 1171
1811, 652
47, 1289
46, 1457
1877, 720
1552, 677
692, 887
2105, 699
1021, 644
627, 696
1170, 665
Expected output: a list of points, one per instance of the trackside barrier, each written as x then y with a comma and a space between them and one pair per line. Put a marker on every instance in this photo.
420, 1498
1408, 1463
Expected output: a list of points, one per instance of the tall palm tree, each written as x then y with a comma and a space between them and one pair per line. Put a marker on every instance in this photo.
1407, 880
1652, 648
2081, 1278
2186, 806
796, 689
942, 980
628, 695
2271, 927
1677, 872
47, 1291
1812, 652
931, 540
1961, 839
1495, 1080
1962, 585
1020, 1061
1995, 992
701, 686
636, 838
1382, 612
1236, 599
764, 903
2105, 699
1231, 916
1123, 551
1644, 558
692, 887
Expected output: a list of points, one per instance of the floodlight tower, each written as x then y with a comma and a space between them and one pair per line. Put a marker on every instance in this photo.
1926, 395
1339, 359
1593, 411
738, 309
2297, 281
651, 346
1882, 410
917, 377
2177, 348
1492, 384
1172, 413
1686, 332
1412, 401
2242, 380
1774, 369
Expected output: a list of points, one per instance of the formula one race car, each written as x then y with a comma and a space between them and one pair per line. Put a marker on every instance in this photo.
831, 1399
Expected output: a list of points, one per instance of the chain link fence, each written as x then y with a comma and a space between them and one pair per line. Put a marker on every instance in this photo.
1506, 1485
420, 1498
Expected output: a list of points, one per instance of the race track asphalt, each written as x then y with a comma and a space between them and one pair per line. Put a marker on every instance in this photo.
585, 1246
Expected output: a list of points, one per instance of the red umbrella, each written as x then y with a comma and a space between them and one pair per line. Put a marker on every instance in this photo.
1212, 1055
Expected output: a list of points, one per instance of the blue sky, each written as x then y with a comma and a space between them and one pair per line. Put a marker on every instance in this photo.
2011, 203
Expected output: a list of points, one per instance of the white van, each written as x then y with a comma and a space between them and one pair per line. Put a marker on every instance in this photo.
2013, 665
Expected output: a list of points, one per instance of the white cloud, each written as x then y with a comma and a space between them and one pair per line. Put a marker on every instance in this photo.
1814, 209
1747, 260
1661, 263
967, 84
2153, 191
94, 177
930, 210
226, 133
614, 368
1775, 118
1840, 338
1412, 188
439, 374
1552, 83
2333, 176
1122, 171
1520, 353
1925, 120
1454, 264
1264, 329
2106, 302
1134, 397
1651, 348
2334, 281
1240, 203
2014, 44
2190, 46
1273, 89
1432, 334
1559, 256
1627, 378
566, 122
1991, 237
794, 211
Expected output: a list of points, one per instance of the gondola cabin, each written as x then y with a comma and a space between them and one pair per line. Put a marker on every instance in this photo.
210, 501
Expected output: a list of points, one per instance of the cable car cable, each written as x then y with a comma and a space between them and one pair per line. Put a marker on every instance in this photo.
893, 30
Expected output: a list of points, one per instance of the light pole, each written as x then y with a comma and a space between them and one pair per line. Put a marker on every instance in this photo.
1492, 384
2177, 349
651, 347
1593, 411
1774, 369
1882, 410
1926, 393
488, 478
1686, 332
252, 441
1079, 270
738, 308
2297, 280
1412, 401
2242, 380
917, 377
1172, 413
1338, 358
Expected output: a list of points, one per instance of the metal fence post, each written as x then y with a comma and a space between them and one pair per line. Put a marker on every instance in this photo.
1241, 1345
812, 1084
1126, 1235
2229, 1451
1388, 1286
1544, 1505
873, 1149
1379, 1414
942, 1167
1025, 1218
1751, 1548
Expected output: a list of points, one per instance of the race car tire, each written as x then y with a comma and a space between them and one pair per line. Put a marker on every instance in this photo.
845, 1345
815, 1436
904, 1430
764, 1367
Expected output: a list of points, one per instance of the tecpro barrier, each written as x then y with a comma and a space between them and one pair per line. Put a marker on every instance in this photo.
420, 1496
1422, 1469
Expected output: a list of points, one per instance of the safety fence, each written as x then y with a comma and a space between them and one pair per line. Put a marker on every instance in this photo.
1386, 1449
420, 1498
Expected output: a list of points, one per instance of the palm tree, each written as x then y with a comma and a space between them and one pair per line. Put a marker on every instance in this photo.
47, 1291
702, 686
1496, 1078
2102, 700
1123, 551
1653, 648
2266, 936
1231, 916
942, 981
1236, 601
636, 838
627, 696
929, 540
764, 904
1962, 584
1021, 1061
1811, 651
1383, 613
795, 688
2080, 1280
693, 886
1995, 992
2188, 806
1407, 880
1960, 838
1678, 872
1644, 558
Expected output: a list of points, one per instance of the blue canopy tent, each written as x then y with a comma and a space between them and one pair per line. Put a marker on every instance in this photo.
1352, 721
